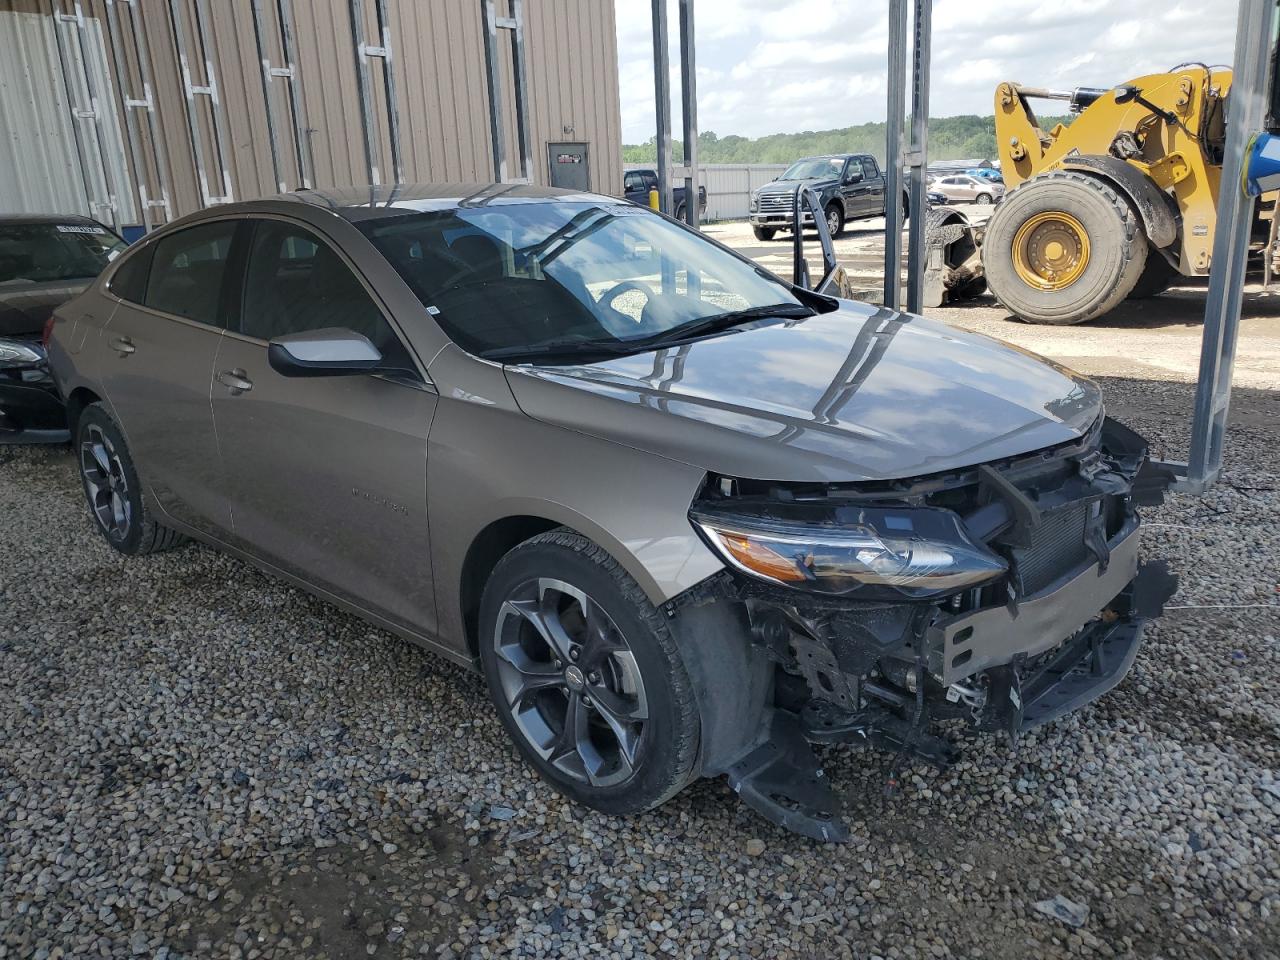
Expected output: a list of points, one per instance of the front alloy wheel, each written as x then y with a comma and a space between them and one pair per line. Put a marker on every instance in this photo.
571, 681
585, 675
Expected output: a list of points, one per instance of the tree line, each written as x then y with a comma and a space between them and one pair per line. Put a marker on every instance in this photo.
950, 138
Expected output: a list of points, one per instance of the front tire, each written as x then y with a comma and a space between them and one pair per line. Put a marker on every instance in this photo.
112, 488
586, 677
983, 199
763, 234
1063, 248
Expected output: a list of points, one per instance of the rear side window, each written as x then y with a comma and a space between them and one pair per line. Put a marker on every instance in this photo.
129, 282
187, 270
869, 169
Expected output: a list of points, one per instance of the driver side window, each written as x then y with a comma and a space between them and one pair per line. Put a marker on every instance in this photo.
296, 282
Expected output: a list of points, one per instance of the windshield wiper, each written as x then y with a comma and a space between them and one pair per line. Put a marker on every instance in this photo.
567, 348
723, 321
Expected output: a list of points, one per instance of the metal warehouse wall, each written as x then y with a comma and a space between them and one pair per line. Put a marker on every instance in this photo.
441, 89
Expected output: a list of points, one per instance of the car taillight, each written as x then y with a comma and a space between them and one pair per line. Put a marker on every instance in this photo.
47, 333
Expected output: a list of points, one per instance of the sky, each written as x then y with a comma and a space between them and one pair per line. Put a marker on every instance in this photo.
783, 66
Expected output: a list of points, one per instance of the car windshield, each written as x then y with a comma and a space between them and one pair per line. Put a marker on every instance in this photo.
524, 281
814, 168
46, 252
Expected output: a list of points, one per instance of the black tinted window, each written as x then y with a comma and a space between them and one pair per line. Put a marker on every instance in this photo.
187, 270
297, 282
869, 169
129, 282
48, 252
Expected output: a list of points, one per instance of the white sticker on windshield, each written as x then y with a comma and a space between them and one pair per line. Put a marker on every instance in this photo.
69, 228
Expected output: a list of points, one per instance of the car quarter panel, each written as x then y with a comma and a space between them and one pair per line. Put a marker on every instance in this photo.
487, 461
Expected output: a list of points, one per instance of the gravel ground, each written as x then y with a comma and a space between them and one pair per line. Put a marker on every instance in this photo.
199, 761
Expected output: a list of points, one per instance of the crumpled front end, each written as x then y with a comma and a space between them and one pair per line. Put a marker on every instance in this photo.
1001, 596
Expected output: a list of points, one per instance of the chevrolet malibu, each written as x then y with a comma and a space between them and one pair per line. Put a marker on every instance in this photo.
685, 517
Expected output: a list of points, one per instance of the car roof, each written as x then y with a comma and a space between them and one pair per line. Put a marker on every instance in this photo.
21, 218
370, 202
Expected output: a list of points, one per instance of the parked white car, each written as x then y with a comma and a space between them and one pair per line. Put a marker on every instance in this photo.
962, 188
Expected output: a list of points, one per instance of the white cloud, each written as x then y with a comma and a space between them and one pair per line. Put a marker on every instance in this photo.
779, 66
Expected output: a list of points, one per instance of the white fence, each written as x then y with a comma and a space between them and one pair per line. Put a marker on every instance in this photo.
729, 185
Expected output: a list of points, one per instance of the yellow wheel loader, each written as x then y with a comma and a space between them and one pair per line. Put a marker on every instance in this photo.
1117, 204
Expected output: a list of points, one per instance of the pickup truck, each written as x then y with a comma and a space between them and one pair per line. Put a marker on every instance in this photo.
636, 184
850, 186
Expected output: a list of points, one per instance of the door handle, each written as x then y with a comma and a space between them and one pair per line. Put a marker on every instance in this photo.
235, 381
123, 346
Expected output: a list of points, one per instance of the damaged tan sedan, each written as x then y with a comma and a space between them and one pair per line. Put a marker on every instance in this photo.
686, 517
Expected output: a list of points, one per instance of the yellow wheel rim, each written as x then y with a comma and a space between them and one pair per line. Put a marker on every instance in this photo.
1051, 250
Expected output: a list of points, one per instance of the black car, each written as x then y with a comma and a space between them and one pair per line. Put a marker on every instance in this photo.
44, 262
850, 186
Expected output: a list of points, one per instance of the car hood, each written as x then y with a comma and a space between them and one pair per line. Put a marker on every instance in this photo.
857, 394
25, 307
789, 186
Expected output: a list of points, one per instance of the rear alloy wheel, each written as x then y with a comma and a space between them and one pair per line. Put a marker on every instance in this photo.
112, 489
835, 220
586, 677
1063, 248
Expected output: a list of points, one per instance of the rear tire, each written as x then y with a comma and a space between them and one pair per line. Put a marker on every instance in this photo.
565, 631
835, 220
112, 489
764, 234
1157, 277
1107, 271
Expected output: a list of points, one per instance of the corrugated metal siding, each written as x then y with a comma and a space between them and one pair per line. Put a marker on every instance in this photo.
438, 58
40, 170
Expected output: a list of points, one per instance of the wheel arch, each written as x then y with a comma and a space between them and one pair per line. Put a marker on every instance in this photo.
489, 546
77, 400
1154, 207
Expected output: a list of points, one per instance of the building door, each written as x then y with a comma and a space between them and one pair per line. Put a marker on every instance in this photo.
569, 166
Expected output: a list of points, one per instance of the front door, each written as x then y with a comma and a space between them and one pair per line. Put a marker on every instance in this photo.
327, 475
157, 367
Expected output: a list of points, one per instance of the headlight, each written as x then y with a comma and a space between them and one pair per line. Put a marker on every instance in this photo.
916, 551
15, 353
755, 200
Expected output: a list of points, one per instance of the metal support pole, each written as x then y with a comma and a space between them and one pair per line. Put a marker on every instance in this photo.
689, 112
288, 73
1246, 115
662, 102
493, 71
918, 156
209, 89
145, 103
893, 162
364, 52
91, 110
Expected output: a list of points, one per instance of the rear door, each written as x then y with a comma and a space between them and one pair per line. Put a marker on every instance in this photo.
327, 476
873, 181
157, 363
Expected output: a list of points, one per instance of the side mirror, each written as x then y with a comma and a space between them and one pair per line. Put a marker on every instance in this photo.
853, 176
331, 352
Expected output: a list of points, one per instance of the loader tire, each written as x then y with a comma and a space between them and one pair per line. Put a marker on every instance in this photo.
1063, 248
1157, 277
